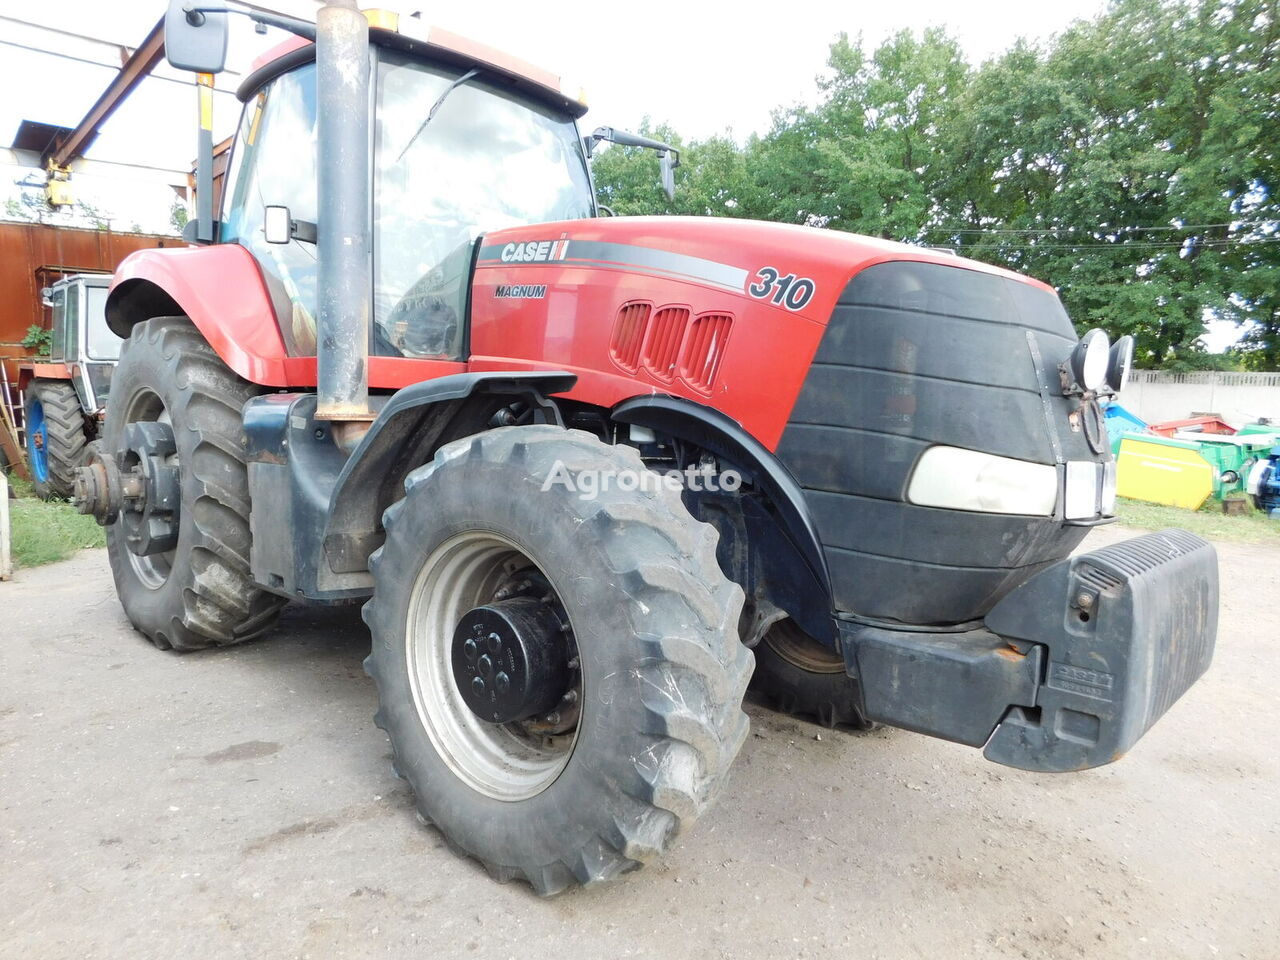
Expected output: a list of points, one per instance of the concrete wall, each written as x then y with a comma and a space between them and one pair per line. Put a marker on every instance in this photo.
1237, 397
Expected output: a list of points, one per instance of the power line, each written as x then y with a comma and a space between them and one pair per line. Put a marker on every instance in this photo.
1130, 229
1133, 245
99, 63
85, 38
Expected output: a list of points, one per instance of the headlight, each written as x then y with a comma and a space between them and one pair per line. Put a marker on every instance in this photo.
1080, 496
1120, 363
1089, 360
958, 479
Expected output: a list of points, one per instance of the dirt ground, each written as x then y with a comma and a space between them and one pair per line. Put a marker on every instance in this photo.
241, 804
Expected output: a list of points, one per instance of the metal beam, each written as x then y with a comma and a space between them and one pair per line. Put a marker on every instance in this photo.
140, 63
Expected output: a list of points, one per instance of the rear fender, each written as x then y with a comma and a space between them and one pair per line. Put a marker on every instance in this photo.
42, 371
221, 289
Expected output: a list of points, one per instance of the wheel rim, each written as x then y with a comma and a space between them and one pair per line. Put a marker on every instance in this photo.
152, 571
37, 440
502, 761
800, 650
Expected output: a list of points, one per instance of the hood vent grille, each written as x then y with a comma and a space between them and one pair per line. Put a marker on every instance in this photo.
703, 350
662, 346
664, 343
628, 334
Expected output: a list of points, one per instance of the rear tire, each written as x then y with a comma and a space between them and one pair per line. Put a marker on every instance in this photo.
200, 594
797, 675
653, 621
56, 445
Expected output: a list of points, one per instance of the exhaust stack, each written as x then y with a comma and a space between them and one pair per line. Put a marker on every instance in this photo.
343, 308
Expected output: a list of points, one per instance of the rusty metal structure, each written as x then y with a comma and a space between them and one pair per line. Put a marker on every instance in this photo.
34, 255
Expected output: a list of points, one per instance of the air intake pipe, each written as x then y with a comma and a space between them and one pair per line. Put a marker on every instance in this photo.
343, 307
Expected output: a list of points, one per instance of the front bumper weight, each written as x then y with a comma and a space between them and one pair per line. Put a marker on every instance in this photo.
1069, 670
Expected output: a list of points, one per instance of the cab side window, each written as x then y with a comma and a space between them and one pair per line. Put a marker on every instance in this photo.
57, 323
71, 324
274, 163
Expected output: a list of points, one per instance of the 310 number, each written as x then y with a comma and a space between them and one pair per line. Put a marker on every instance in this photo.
790, 291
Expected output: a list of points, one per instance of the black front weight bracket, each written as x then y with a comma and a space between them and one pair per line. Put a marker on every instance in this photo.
1068, 671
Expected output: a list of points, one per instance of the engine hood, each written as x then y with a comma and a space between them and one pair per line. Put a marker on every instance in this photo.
721, 251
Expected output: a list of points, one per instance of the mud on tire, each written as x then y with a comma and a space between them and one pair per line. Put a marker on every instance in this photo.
205, 597
654, 620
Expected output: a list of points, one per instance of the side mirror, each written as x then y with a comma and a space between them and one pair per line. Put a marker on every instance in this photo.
668, 156
667, 163
277, 226
195, 36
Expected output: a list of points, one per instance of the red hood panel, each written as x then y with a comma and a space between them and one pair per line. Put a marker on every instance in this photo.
551, 296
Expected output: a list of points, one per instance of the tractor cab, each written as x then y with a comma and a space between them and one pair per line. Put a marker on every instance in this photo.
460, 147
83, 350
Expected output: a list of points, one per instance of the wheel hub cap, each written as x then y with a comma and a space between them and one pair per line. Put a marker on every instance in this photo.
150, 518
510, 659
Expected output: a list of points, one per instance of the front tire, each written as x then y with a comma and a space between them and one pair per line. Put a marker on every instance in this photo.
799, 676
199, 594
653, 621
56, 437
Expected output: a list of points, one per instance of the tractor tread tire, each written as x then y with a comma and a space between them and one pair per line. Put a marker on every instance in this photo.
209, 598
65, 437
831, 699
678, 658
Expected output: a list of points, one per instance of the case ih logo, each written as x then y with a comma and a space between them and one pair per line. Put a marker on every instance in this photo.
535, 250
520, 291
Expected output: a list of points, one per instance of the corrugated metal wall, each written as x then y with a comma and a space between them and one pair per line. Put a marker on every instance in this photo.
33, 255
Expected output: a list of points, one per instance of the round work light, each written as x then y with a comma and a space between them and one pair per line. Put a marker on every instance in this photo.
1120, 363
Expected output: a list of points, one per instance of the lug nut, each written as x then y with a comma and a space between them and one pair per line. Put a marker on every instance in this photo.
478, 686
485, 666
470, 649
501, 683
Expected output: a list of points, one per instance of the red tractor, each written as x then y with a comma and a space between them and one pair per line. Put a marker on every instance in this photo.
586, 474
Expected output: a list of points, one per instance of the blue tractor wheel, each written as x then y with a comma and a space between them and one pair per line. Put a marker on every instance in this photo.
56, 436
37, 438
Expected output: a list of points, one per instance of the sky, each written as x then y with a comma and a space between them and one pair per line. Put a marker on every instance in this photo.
704, 67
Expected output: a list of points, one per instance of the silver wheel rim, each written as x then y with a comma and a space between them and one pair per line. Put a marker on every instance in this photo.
497, 760
152, 571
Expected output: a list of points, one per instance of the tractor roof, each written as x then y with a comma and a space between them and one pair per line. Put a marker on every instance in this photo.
411, 35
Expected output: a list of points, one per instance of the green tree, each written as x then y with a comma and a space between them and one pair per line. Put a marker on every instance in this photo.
1131, 163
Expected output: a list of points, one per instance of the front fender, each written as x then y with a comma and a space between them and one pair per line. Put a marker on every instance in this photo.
797, 560
221, 289
406, 433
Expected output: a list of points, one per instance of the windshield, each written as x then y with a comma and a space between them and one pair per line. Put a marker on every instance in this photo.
101, 342
489, 159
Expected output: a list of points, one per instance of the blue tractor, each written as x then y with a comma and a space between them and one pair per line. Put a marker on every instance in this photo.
1263, 483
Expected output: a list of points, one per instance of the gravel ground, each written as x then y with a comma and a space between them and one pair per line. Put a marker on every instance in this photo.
241, 804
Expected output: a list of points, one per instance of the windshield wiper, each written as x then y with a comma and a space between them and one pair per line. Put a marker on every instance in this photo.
436, 106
